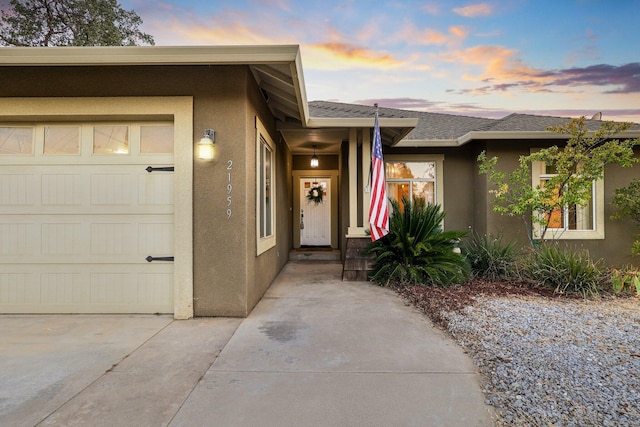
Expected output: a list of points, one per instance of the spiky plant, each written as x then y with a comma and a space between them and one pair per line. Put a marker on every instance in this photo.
416, 250
490, 258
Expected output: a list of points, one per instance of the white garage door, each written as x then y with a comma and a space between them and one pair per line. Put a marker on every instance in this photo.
80, 214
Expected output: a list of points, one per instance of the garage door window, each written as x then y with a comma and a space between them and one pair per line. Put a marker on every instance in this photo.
62, 140
156, 139
111, 140
16, 140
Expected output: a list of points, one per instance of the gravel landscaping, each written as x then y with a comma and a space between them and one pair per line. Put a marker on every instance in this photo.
546, 361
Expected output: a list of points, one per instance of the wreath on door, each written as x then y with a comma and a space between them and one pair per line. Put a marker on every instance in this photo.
315, 194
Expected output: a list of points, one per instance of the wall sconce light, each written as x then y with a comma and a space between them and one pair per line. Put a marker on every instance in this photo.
314, 159
206, 147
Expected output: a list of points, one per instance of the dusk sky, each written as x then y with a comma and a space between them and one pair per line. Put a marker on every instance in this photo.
487, 59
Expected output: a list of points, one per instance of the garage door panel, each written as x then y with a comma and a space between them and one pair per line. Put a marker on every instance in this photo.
111, 288
155, 189
94, 238
87, 189
17, 189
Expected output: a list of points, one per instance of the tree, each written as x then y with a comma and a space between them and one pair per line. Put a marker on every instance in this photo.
70, 23
627, 200
575, 167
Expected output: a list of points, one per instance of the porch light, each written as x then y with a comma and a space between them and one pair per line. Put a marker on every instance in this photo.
314, 159
206, 148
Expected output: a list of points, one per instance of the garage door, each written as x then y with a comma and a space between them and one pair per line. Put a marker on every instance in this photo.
86, 222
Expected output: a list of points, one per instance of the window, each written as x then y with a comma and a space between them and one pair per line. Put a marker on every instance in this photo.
62, 140
111, 140
421, 176
572, 222
265, 190
16, 140
156, 139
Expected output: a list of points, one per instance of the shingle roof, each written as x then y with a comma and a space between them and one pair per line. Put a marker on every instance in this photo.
430, 126
433, 126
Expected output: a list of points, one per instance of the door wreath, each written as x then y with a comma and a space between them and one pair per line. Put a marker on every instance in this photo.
315, 194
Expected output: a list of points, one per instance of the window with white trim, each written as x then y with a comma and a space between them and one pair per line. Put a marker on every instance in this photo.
575, 221
265, 189
414, 176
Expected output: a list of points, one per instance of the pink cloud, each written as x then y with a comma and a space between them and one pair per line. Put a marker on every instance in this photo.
473, 10
354, 55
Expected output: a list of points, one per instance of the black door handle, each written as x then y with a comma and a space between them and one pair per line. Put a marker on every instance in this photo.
163, 168
160, 258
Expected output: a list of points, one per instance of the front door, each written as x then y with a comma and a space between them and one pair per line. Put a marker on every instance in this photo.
315, 211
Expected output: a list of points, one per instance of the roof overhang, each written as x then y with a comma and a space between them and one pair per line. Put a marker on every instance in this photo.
497, 135
277, 69
327, 134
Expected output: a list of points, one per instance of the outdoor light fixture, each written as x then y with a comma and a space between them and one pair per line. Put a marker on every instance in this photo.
206, 146
314, 158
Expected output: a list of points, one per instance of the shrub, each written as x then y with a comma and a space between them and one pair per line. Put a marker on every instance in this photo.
626, 280
490, 258
416, 250
566, 271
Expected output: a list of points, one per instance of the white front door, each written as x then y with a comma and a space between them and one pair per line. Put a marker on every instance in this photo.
315, 214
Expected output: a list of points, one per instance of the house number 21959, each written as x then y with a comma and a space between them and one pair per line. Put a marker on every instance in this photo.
229, 187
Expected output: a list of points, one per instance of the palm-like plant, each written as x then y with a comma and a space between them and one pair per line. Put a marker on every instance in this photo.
416, 250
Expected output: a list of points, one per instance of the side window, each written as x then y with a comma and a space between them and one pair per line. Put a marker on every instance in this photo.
572, 222
265, 189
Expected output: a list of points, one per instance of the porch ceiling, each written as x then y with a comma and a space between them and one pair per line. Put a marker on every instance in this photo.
327, 134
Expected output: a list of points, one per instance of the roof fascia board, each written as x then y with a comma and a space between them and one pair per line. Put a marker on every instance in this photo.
468, 137
422, 143
148, 55
300, 87
346, 122
497, 135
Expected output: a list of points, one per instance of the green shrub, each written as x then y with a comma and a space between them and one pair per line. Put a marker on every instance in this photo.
626, 280
416, 250
490, 258
566, 271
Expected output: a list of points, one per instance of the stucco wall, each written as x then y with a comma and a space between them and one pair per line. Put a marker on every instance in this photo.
261, 270
458, 183
220, 242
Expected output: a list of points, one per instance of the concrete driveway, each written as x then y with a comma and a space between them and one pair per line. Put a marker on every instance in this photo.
316, 351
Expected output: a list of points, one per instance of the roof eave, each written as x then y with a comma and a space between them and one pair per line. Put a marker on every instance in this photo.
361, 122
147, 55
540, 135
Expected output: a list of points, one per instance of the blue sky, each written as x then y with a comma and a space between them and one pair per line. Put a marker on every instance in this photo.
486, 58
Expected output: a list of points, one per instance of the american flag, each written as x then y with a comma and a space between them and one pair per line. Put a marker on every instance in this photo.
378, 208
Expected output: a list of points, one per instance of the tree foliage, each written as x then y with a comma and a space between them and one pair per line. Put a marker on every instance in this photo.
576, 165
627, 200
70, 23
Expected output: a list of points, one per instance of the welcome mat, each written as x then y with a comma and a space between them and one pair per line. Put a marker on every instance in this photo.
306, 248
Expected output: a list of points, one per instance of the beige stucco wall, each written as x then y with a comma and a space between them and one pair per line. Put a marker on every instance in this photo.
228, 278
261, 270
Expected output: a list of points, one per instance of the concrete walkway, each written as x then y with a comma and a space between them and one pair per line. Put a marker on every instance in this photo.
316, 351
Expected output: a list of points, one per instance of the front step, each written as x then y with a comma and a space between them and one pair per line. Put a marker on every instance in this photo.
314, 255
